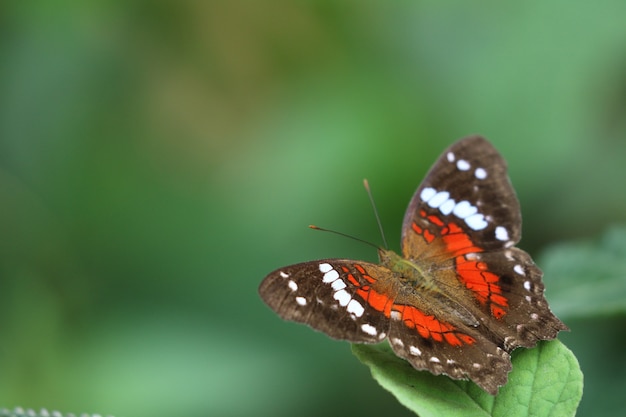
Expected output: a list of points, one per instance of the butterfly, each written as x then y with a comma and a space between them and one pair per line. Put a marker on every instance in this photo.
457, 300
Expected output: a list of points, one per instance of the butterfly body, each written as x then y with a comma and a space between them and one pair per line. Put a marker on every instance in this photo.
458, 299
422, 285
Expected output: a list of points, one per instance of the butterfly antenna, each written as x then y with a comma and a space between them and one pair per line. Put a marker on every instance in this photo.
312, 226
380, 225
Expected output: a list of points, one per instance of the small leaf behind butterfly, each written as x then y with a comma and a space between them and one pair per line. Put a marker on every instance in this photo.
545, 381
587, 278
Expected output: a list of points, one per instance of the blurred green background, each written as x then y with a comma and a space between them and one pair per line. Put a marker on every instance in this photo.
158, 159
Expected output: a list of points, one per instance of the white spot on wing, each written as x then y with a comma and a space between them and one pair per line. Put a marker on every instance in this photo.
480, 173
476, 221
464, 209
343, 297
414, 351
325, 267
438, 199
284, 274
330, 276
395, 315
292, 285
435, 359
502, 234
472, 256
301, 301
450, 157
447, 207
397, 342
338, 284
534, 316
355, 307
427, 193
369, 329
519, 269
527, 285
462, 165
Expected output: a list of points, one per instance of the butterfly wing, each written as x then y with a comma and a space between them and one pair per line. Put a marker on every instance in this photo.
462, 224
467, 186
460, 351
333, 296
362, 302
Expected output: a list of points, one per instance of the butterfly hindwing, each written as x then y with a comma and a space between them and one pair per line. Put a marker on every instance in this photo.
508, 287
467, 354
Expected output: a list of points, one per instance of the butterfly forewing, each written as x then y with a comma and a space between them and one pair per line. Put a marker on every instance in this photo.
329, 295
467, 188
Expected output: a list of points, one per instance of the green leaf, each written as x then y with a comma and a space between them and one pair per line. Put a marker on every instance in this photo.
587, 278
586, 286
545, 381
20, 412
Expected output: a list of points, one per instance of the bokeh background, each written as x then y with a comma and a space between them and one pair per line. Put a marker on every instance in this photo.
158, 159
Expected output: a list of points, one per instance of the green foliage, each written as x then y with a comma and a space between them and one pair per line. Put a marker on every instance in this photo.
586, 279
20, 412
545, 381
586, 286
